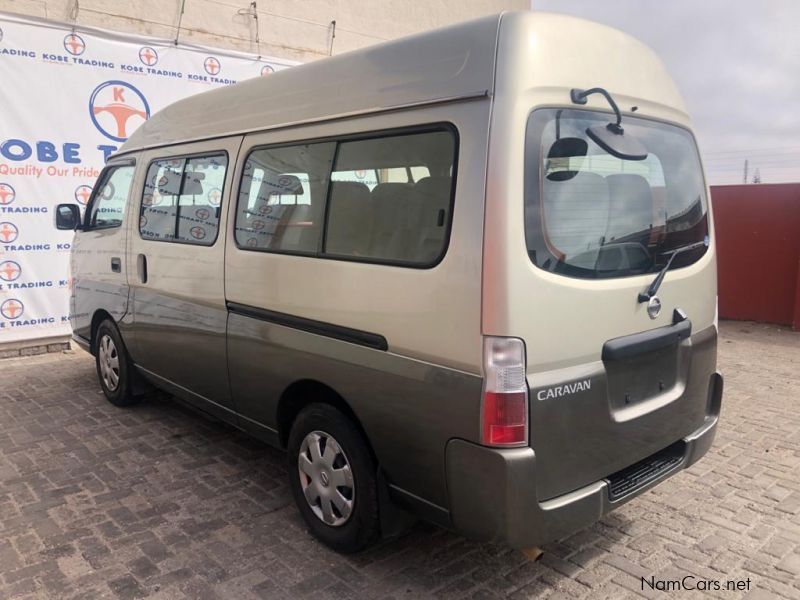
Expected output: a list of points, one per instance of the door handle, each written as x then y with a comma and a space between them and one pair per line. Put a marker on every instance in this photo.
116, 265
141, 265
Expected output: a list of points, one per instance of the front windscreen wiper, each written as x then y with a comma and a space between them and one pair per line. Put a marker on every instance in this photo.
651, 291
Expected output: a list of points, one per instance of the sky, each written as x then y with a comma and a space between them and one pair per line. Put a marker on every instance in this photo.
737, 65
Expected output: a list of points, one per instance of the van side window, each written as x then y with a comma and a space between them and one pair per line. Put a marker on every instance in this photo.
404, 216
108, 205
386, 199
282, 198
182, 198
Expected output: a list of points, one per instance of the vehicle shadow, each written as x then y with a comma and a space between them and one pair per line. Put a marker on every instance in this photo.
251, 496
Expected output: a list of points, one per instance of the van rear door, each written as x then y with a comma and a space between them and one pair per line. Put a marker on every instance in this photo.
614, 377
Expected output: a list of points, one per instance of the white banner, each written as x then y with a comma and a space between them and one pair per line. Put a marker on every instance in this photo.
70, 97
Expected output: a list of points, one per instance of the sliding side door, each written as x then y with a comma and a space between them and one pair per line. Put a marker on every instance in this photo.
177, 283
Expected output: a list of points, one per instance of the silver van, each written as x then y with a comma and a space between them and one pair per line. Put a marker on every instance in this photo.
468, 275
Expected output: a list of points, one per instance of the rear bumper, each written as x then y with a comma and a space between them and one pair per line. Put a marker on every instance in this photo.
493, 491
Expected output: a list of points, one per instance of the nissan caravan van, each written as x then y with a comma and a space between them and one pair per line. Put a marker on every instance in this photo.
468, 275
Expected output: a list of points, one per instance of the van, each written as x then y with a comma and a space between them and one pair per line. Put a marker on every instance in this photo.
467, 276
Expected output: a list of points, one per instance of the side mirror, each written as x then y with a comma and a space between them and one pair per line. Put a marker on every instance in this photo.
68, 217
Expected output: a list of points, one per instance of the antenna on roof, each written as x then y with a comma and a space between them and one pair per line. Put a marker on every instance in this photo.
333, 37
252, 12
180, 18
73, 14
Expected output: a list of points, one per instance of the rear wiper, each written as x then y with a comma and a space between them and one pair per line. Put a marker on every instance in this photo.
651, 291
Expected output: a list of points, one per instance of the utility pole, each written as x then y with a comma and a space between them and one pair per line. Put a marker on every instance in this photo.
757, 176
746, 165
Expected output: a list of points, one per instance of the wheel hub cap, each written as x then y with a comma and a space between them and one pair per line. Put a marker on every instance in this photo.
108, 359
326, 478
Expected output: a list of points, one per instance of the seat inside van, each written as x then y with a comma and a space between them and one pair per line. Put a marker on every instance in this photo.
576, 216
396, 221
427, 221
350, 219
631, 201
276, 215
390, 204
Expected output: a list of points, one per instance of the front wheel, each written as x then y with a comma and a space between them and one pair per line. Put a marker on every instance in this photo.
114, 369
332, 476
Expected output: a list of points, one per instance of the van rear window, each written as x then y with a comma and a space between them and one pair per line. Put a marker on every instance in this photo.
592, 215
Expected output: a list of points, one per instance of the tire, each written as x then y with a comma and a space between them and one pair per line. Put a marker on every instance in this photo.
329, 442
114, 369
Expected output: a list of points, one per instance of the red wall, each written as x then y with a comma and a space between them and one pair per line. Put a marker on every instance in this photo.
758, 252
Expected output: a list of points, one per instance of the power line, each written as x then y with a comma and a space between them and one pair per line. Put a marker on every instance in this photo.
794, 153
738, 161
739, 169
780, 149
321, 25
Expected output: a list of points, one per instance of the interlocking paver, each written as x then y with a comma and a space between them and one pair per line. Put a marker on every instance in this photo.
159, 502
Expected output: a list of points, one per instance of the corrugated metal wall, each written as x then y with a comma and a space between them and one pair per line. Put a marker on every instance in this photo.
758, 249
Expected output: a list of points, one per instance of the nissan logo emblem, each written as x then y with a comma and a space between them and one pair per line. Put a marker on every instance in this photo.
654, 307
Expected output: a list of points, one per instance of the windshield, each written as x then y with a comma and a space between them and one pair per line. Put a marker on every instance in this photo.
592, 215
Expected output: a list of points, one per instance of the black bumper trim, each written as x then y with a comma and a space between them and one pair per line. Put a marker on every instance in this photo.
636, 476
647, 341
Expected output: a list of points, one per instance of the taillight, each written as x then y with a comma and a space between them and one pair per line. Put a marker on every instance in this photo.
505, 393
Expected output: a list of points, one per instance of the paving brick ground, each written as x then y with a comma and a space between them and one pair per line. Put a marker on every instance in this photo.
158, 502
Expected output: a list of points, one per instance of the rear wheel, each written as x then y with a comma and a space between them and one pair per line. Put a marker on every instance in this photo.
332, 476
113, 365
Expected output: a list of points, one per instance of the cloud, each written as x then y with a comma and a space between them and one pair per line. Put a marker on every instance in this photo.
737, 65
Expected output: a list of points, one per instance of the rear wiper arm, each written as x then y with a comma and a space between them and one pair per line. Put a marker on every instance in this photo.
651, 291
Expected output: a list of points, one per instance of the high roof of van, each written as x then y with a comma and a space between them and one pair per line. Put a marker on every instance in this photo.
550, 52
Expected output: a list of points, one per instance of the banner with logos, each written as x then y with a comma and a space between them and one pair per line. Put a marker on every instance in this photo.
71, 97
